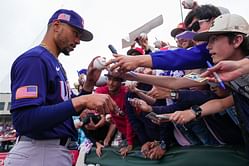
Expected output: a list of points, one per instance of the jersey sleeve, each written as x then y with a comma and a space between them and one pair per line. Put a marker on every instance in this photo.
28, 82
181, 59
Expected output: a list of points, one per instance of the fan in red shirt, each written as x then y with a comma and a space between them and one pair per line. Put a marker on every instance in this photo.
118, 92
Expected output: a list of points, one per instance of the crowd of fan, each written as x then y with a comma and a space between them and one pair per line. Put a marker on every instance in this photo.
194, 112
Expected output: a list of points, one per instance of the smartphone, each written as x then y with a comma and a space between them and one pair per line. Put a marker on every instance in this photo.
163, 117
156, 117
130, 99
152, 116
112, 48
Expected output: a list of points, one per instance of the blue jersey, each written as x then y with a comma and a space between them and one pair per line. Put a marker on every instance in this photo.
38, 80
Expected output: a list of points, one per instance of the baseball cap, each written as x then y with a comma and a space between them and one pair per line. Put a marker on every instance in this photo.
179, 29
135, 51
110, 75
74, 19
224, 24
223, 10
82, 71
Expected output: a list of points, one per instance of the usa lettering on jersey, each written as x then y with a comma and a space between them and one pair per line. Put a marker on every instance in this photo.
25, 92
64, 90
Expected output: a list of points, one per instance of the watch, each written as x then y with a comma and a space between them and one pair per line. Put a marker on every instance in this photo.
197, 111
163, 145
173, 94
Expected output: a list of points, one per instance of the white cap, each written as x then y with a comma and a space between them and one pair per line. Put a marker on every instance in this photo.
224, 24
223, 10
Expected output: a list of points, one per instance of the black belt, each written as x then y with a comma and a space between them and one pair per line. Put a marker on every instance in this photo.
62, 142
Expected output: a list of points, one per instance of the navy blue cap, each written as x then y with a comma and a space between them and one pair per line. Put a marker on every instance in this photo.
82, 71
74, 19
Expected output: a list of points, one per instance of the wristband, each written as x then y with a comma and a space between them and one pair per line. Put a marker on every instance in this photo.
173, 94
197, 111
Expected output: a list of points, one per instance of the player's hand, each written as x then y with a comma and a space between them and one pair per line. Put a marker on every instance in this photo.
102, 103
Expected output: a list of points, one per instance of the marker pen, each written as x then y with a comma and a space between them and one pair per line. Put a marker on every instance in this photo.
216, 76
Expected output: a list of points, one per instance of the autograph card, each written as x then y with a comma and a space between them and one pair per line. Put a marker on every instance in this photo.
195, 77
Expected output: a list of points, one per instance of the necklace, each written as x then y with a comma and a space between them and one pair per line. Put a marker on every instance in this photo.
46, 47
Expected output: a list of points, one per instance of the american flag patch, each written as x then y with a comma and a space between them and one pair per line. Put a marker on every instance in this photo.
25, 92
64, 16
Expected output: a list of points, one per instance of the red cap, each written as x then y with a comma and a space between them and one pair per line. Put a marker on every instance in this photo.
140, 50
135, 51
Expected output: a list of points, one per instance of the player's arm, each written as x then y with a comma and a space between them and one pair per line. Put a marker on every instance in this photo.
28, 119
31, 115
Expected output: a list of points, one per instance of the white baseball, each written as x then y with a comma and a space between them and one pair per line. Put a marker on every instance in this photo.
99, 63
77, 123
158, 44
108, 117
188, 4
101, 81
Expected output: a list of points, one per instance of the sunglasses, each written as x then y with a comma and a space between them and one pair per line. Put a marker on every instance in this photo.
196, 25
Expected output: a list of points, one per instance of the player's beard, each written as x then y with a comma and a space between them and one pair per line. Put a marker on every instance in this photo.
61, 43
65, 51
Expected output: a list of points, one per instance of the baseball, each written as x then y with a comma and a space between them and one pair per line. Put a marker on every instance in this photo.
188, 4
108, 117
158, 44
101, 81
77, 123
99, 63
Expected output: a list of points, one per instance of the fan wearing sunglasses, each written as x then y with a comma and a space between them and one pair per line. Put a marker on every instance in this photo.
196, 26
178, 59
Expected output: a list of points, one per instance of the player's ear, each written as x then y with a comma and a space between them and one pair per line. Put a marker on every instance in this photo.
56, 25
